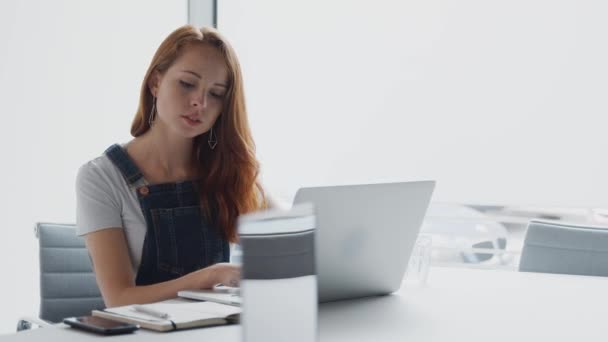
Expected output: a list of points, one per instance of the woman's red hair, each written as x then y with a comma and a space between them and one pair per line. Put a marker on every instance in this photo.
228, 174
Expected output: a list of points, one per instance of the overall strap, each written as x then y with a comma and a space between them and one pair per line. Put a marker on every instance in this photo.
123, 162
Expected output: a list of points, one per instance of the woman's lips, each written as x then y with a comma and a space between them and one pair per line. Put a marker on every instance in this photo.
192, 121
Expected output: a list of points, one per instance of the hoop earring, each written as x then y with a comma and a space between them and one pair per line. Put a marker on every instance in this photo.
212, 141
151, 117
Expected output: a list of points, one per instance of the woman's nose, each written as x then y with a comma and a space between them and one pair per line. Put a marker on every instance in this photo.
200, 102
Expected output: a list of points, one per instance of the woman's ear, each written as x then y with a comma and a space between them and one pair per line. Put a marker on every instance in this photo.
154, 82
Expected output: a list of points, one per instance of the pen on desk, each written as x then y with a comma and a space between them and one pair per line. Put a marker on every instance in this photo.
150, 311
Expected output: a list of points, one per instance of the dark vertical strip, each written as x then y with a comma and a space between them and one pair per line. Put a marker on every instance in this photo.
214, 13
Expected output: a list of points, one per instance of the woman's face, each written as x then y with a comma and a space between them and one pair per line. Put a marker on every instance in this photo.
190, 94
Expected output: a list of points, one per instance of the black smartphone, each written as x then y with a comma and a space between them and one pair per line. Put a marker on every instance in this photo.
100, 325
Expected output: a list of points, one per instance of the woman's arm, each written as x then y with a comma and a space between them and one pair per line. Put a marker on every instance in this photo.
116, 281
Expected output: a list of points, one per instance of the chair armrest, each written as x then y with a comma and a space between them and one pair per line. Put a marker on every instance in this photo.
25, 323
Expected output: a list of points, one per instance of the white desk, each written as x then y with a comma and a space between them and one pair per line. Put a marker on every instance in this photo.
456, 305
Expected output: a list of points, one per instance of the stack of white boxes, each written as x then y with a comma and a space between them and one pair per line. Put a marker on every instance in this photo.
279, 285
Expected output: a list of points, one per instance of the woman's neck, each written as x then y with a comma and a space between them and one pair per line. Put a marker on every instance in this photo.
162, 157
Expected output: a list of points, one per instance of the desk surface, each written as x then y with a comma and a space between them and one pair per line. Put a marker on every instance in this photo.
456, 304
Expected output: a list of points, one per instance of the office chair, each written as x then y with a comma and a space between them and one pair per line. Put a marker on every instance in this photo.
67, 282
551, 247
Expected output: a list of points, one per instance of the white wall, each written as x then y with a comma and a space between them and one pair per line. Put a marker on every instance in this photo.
70, 74
502, 102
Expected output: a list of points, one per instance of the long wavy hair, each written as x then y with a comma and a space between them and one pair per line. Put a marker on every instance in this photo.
228, 174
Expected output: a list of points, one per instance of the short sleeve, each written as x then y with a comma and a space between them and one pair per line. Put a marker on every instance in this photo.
97, 206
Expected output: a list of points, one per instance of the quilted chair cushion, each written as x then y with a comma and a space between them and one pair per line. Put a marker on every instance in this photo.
67, 281
565, 248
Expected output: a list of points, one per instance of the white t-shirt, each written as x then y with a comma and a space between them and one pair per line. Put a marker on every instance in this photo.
104, 199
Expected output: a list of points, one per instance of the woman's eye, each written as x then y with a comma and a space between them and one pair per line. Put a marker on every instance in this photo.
217, 96
186, 84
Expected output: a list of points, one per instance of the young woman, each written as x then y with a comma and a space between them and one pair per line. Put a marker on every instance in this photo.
158, 212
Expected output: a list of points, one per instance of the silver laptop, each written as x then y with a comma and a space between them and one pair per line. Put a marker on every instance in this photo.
365, 235
219, 294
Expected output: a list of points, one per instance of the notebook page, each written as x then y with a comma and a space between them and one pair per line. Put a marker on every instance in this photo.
179, 312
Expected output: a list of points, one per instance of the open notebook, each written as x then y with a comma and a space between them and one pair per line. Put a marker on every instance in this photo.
181, 315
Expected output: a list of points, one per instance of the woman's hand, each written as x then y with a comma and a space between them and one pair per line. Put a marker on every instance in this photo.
220, 273
227, 274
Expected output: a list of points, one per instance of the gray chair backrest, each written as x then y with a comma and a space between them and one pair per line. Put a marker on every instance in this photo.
565, 248
67, 282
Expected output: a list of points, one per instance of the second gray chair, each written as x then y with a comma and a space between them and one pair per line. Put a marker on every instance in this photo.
67, 282
551, 247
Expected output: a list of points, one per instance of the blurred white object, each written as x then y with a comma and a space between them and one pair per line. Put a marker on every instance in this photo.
279, 282
420, 261
462, 234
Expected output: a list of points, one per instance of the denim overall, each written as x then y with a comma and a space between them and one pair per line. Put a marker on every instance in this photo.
179, 238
